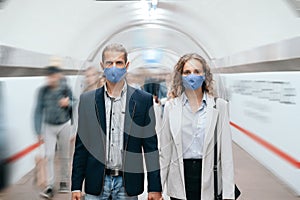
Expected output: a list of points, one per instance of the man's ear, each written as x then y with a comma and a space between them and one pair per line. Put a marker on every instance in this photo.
102, 65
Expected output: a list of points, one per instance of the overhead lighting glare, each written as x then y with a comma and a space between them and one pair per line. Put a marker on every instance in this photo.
149, 9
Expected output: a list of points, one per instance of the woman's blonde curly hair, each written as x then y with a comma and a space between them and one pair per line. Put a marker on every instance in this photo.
176, 84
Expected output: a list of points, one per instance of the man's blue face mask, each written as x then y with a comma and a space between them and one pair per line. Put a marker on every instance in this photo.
115, 74
192, 81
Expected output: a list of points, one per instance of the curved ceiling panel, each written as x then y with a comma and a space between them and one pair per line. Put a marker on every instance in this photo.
149, 45
78, 29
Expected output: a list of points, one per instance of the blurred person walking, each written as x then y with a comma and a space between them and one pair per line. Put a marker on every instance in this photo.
3, 144
91, 79
187, 136
52, 120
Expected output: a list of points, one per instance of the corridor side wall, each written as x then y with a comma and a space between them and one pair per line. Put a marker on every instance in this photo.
264, 114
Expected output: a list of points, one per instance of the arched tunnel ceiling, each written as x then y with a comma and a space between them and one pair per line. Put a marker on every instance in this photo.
79, 28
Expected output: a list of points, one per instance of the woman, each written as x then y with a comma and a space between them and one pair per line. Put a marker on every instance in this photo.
187, 135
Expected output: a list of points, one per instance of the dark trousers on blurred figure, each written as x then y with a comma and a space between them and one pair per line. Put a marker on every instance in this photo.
192, 178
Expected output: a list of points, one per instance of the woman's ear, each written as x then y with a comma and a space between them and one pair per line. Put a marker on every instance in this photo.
127, 64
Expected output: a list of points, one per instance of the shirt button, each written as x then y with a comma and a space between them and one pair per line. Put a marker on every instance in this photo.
112, 129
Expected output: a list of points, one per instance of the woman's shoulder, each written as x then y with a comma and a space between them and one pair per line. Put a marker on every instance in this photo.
221, 104
221, 101
172, 102
216, 99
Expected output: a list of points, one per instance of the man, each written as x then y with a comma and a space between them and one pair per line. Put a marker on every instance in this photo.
116, 129
54, 110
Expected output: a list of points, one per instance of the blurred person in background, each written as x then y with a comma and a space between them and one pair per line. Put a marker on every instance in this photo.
187, 135
52, 122
3, 147
91, 79
158, 112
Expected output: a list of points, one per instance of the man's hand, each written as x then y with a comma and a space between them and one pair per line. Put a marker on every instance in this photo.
64, 102
155, 196
76, 195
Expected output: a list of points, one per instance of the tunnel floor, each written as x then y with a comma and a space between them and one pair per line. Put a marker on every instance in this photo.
254, 180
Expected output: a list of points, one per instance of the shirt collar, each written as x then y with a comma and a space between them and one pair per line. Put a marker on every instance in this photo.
124, 89
185, 100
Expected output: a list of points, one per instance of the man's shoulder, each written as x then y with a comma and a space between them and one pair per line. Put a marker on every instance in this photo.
138, 93
43, 90
88, 95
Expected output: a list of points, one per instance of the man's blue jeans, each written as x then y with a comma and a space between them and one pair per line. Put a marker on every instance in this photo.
113, 185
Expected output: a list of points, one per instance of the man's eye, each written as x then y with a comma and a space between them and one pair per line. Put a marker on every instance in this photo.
119, 63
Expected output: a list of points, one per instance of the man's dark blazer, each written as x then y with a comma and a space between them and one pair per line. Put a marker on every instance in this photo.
139, 139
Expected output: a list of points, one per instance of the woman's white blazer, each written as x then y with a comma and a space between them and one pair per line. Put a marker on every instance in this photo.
170, 147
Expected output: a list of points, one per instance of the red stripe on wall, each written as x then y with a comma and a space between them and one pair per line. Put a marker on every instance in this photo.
259, 140
23, 153
269, 146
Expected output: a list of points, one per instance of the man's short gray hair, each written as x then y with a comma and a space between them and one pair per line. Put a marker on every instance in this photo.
117, 48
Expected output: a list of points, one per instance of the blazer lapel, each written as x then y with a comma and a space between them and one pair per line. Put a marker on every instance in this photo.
91, 123
211, 120
100, 108
129, 113
175, 124
175, 127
